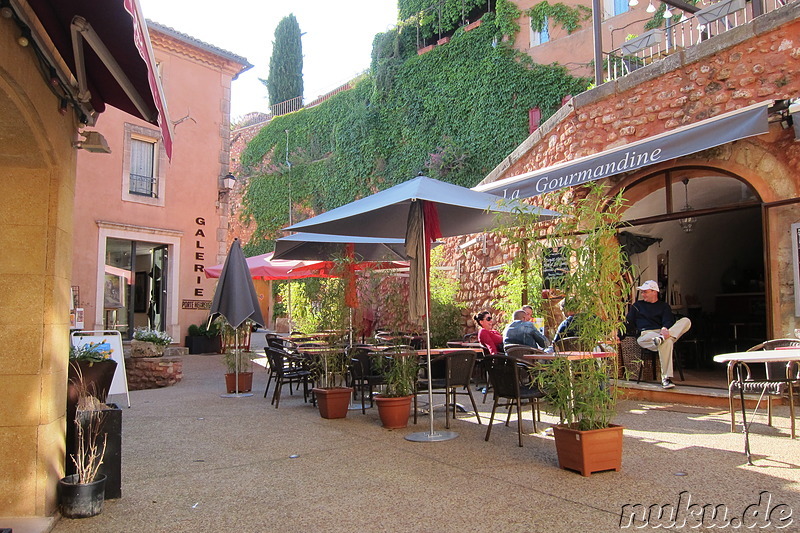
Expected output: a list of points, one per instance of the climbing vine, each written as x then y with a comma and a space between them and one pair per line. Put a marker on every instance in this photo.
453, 113
568, 17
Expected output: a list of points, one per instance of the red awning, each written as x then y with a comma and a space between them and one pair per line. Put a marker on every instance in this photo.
118, 60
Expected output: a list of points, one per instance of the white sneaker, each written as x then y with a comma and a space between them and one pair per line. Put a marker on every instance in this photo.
657, 341
667, 383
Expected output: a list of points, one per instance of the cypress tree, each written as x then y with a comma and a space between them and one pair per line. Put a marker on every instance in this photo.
285, 80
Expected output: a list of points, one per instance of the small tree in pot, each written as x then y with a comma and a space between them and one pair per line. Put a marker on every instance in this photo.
400, 370
596, 276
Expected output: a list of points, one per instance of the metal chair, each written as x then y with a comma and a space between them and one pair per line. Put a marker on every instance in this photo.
363, 375
287, 369
769, 386
449, 372
505, 375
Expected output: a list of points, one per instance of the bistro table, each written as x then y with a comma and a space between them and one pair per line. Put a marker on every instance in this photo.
737, 359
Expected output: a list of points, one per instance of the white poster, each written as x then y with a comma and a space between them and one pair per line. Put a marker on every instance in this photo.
111, 340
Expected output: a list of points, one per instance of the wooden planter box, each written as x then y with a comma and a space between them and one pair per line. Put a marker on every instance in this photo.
472, 25
590, 451
203, 344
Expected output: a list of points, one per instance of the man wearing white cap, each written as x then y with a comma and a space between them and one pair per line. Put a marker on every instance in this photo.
657, 327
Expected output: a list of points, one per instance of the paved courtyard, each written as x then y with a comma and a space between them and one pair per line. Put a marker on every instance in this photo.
194, 461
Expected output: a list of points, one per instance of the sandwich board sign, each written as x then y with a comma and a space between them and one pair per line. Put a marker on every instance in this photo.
107, 340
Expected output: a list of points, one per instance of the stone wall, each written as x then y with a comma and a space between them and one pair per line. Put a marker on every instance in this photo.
153, 372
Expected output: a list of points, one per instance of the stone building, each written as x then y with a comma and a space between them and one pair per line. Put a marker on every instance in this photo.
721, 194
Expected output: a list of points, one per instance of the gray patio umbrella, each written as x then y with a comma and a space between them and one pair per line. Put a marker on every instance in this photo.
235, 299
321, 247
442, 210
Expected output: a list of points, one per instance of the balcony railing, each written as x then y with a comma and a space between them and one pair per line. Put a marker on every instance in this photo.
655, 45
143, 185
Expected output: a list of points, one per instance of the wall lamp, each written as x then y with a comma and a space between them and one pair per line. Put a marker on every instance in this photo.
228, 181
93, 141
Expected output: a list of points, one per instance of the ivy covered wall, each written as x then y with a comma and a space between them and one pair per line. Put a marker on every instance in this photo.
453, 113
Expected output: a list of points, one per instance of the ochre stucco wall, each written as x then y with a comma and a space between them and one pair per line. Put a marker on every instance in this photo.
38, 162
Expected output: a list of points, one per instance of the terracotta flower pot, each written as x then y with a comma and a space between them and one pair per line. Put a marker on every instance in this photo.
589, 451
245, 382
333, 402
394, 412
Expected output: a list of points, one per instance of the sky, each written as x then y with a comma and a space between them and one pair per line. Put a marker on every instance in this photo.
337, 40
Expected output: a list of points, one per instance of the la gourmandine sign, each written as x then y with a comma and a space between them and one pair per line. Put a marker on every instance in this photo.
725, 128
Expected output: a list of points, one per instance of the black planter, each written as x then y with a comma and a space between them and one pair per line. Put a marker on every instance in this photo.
111, 425
203, 344
97, 377
80, 500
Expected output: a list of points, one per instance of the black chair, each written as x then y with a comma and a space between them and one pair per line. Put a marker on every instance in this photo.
449, 372
506, 375
286, 369
363, 375
774, 371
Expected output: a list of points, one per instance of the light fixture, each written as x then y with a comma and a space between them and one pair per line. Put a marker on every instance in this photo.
650, 7
93, 141
667, 12
228, 181
633, 3
6, 12
687, 223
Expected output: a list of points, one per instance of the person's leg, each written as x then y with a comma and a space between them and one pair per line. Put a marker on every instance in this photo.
645, 340
680, 327
665, 357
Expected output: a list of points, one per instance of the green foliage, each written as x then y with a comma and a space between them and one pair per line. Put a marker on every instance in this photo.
159, 338
204, 329
455, 112
445, 309
569, 17
586, 236
400, 371
438, 17
507, 15
285, 80
238, 360
93, 352
317, 304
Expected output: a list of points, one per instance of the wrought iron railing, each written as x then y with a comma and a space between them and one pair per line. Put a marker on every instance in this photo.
143, 185
655, 45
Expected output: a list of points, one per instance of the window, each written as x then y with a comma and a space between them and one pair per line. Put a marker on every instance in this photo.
143, 179
541, 37
144, 166
616, 7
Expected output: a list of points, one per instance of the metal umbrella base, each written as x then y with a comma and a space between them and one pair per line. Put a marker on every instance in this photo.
436, 436
236, 395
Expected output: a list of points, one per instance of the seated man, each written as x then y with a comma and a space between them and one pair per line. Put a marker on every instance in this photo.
657, 328
521, 331
568, 328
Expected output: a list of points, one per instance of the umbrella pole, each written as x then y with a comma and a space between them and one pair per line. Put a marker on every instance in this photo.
432, 436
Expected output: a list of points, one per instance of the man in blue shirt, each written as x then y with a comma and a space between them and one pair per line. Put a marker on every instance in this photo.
657, 328
521, 331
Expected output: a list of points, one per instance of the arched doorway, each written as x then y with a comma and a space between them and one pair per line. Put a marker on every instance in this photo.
708, 259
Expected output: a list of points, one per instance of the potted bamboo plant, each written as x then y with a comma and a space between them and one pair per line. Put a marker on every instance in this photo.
400, 370
239, 365
581, 392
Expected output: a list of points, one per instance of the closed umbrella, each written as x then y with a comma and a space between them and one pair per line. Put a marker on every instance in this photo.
442, 209
235, 299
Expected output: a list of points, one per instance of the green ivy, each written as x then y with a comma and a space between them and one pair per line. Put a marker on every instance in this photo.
569, 17
453, 113
436, 18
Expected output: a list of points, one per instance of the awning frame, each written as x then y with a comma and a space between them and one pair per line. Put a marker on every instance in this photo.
727, 127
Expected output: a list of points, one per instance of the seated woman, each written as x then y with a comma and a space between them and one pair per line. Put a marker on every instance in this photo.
488, 337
